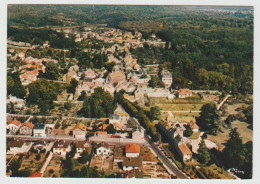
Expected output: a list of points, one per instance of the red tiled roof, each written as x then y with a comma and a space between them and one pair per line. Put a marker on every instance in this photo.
28, 124
36, 174
132, 148
183, 91
184, 149
15, 122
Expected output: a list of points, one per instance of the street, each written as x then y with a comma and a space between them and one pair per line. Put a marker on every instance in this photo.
165, 160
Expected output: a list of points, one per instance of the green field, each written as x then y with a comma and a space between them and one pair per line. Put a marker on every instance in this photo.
245, 133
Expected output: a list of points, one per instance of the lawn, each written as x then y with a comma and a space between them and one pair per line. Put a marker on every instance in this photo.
245, 133
179, 107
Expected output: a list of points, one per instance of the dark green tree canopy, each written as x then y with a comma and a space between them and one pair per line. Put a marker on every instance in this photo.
203, 153
52, 71
99, 104
43, 93
209, 119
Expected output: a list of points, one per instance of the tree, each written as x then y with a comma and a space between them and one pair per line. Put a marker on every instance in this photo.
67, 105
110, 129
72, 86
38, 157
14, 85
82, 96
154, 113
209, 119
43, 93
14, 166
234, 151
249, 114
203, 153
52, 71
84, 157
188, 132
99, 104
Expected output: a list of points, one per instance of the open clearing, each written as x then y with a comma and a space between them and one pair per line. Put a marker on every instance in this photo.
244, 132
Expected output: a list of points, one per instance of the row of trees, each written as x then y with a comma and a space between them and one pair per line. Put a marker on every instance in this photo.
136, 111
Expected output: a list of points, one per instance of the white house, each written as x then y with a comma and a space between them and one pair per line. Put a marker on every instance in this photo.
138, 133
13, 126
61, 148
183, 93
103, 149
130, 163
167, 78
79, 131
19, 146
39, 130
83, 145
132, 150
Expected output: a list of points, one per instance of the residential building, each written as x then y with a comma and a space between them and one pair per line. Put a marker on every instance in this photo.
134, 173
185, 152
79, 131
13, 126
61, 148
138, 133
17, 102
115, 77
132, 150
130, 163
167, 78
183, 93
83, 145
103, 149
26, 128
39, 130
18, 146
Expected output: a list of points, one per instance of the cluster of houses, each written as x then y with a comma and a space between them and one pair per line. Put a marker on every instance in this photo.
29, 129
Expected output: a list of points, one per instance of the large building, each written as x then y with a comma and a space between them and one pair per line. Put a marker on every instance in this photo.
167, 78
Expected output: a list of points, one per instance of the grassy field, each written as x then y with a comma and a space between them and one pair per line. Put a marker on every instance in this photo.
179, 116
180, 107
244, 132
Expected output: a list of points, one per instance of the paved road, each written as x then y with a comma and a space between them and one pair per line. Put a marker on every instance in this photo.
166, 161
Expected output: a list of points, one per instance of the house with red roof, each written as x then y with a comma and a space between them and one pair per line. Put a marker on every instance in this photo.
13, 126
183, 93
79, 131
132, 150
185, 152
26, 128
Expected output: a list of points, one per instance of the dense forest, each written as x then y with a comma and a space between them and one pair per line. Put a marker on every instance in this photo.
206, 47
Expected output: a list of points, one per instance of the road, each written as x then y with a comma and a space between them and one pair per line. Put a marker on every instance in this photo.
225, 99
165, 160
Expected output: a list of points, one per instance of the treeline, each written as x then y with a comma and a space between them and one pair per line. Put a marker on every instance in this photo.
39, 36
